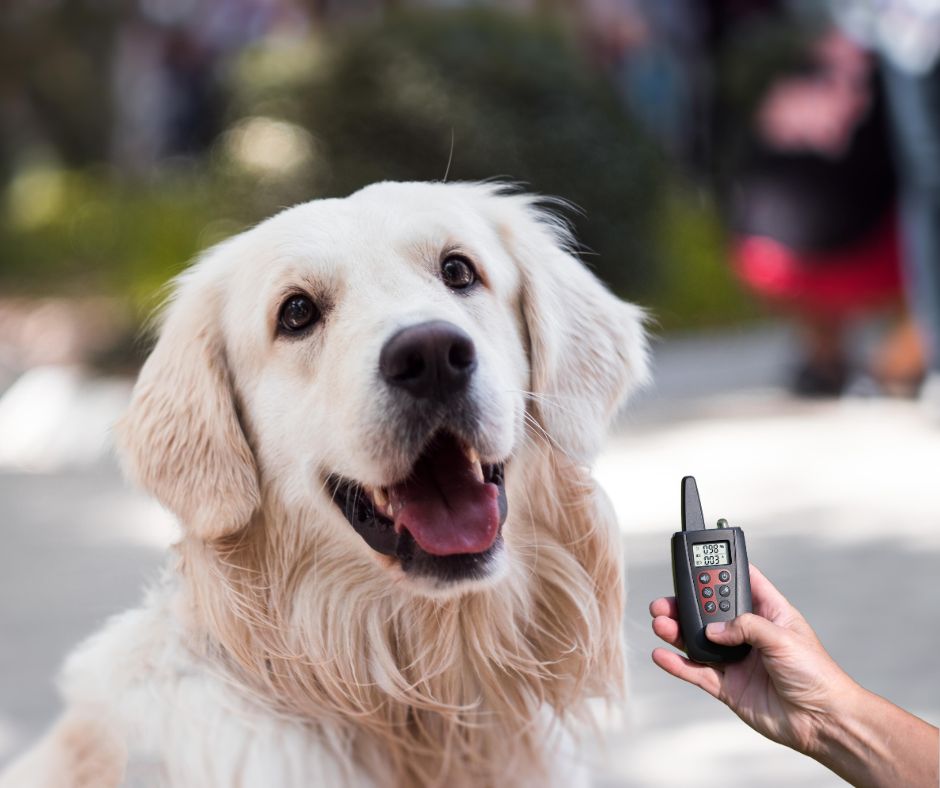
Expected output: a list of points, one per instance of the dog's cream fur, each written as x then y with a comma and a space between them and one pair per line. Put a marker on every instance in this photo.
279, 649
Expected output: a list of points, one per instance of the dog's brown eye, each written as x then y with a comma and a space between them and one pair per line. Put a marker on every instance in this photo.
457, 272
297, 313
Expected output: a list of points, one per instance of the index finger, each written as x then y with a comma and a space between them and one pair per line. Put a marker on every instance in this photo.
664, 606
704, 676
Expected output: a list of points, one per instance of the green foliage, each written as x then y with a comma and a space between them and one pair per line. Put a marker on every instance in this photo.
512, 98
58, 54
697, 287
476, 94
100, 235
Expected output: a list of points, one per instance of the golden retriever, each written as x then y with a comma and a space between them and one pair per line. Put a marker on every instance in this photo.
373, 417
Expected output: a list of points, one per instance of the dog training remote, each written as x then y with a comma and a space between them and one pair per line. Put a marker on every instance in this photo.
711, 578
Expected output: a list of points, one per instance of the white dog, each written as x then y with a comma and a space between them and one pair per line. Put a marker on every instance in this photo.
372, 417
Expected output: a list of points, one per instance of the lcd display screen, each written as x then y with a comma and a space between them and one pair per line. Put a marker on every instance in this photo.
710, 554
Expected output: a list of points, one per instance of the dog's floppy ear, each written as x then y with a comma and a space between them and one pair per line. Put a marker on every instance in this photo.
587, 348
181, 438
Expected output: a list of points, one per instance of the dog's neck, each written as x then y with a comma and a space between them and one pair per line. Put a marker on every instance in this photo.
428, 691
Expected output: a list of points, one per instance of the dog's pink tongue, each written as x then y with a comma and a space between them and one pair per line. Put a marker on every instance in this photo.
443, 505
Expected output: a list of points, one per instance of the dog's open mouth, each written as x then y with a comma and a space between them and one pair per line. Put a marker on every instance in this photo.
444, 519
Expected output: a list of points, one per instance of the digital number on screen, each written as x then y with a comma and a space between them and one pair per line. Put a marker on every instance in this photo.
710, 554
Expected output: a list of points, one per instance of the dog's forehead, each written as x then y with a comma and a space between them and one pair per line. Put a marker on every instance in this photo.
369, 254
382, 224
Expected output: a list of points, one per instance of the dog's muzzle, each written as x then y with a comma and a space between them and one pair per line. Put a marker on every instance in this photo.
444, 520
444, 517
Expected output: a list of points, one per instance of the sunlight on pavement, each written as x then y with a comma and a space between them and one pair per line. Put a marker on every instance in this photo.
58, 416
133, 518
866, 464
672, 756
8, 736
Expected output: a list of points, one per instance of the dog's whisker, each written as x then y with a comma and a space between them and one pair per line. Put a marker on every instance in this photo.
540, 431
554, 400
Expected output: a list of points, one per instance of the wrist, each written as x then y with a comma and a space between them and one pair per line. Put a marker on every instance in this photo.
868, 741
843, 724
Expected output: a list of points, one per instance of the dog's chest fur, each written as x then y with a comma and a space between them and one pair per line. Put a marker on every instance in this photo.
176, 713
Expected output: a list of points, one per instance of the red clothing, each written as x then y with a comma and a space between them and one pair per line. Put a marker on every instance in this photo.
861, 276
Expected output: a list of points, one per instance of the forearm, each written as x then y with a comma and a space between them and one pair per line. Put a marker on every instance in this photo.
874, 744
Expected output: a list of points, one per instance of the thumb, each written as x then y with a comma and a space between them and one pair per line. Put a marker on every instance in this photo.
747, 628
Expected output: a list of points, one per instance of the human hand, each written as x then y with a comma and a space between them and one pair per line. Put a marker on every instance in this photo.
811, 113
787, 688
819, 111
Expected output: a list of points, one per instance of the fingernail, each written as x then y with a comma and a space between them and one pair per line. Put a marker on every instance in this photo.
716, 628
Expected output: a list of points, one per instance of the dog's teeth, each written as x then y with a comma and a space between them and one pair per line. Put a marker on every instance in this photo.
380, 498
474, 456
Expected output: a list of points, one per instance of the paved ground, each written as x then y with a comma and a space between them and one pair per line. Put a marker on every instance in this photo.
839, 501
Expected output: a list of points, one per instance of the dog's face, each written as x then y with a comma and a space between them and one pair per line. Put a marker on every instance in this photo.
374, 364
381, 363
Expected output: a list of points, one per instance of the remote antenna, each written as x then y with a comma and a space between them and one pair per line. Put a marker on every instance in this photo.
692, 517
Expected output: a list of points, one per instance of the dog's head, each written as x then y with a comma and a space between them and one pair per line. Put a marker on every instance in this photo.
377, 364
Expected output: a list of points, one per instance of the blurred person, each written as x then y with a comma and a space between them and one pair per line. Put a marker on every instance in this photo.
662, 58
814, 218
812, 201
906, 35
168, 71
790, 690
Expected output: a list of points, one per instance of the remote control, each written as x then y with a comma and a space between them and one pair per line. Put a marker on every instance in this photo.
711, 579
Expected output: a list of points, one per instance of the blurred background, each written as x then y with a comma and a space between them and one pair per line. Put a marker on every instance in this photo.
757, 174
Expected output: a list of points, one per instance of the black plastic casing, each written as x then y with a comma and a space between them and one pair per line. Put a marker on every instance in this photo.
692, 618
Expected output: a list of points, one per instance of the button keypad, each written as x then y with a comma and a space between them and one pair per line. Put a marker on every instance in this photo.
708, 591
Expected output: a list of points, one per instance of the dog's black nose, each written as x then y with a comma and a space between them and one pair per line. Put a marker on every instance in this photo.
429, 360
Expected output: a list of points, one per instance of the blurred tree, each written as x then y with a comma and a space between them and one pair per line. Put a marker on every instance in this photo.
55, 76
482, 94
476, 93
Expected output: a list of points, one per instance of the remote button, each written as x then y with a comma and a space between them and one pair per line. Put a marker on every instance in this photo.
725, 605
724, 576
724, 590
709, 607
707, 592
704, 577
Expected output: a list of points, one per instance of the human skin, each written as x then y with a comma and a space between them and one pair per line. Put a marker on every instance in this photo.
790, 690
